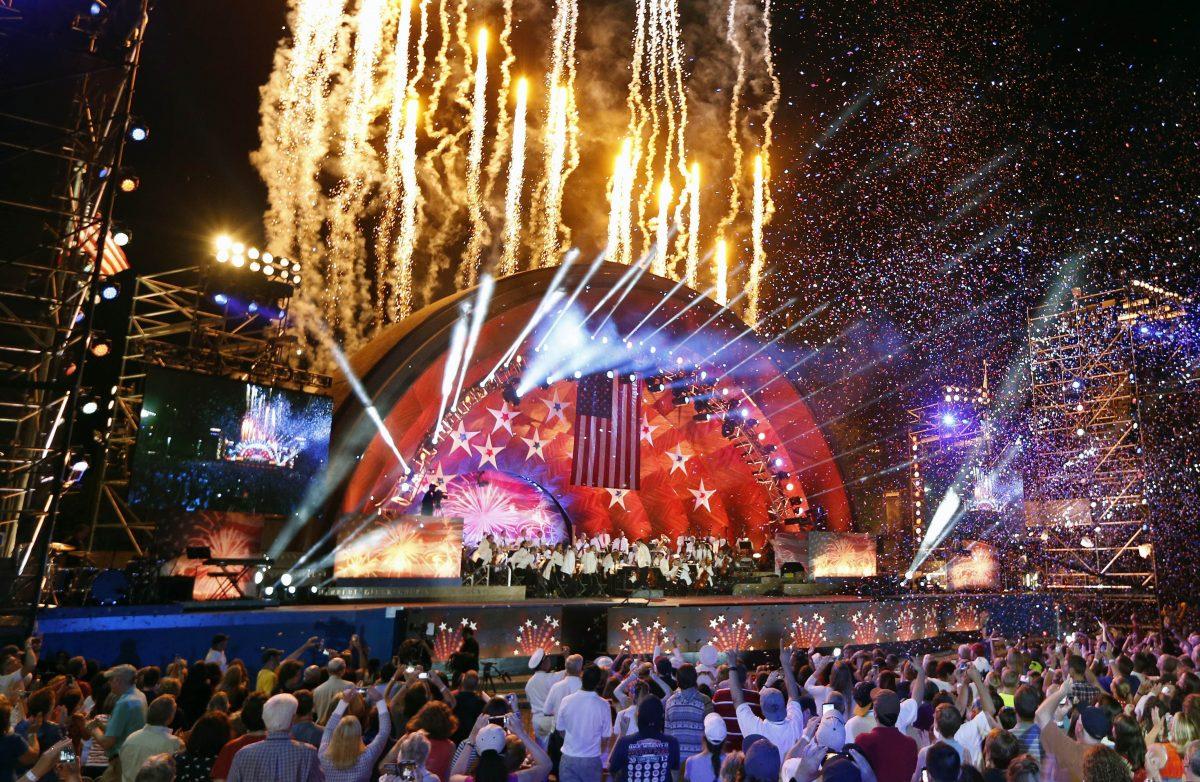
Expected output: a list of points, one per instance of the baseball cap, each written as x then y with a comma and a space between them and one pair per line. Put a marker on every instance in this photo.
536, 658
1095, 721
604, 662
715, 729
840, 770
831, 732
490, 737
887, 705
773, 704
708, 655
762, 761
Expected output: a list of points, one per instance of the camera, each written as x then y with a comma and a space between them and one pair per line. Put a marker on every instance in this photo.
497, 720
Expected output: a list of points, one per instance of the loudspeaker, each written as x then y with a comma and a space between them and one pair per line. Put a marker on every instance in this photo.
175, 589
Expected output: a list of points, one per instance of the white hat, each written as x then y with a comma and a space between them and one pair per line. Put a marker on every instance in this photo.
708, 655
604, 662
490, 737
715, 729
536, 658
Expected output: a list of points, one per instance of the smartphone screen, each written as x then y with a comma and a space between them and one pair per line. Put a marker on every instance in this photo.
828, 708
67, 755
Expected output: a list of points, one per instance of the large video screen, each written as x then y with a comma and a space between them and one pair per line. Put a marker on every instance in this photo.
422, 548
209, 443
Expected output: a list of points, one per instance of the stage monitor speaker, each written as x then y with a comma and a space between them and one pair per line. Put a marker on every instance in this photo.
175, 589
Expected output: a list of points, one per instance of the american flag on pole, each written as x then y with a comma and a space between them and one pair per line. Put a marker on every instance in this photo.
608, 416
114, 259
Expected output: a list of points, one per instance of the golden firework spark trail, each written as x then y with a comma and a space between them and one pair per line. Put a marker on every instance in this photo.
390, 188
556, 152
512, 194
735, 140
422, 38
501, 141
772, 104
659, 264
442, 61
345, 251
469, 269
720, 273
402, 293
649, 178
758, 259
619, 191
692, 264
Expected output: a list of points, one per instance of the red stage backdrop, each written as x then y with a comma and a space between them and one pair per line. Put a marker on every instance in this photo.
693, 480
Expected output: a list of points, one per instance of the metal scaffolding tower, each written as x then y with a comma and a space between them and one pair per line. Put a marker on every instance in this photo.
1085, 481
67, 78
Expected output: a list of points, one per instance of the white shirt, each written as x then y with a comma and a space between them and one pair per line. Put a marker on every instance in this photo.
585, 720
216, 656
561, 689
538, 687
626, 722
589, 562
782, 734
858, 725
971, 736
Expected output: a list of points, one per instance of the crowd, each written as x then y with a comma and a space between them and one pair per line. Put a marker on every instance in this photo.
1114, 707
606, 565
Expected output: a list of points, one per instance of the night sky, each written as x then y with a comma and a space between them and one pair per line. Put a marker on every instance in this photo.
939, 168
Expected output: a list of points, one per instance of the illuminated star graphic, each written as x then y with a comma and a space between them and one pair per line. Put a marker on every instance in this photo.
678, 459
617, 497
488, 453
438, 478
648, 430
702, 496
555, 408
504, 416
537, 446
461, 438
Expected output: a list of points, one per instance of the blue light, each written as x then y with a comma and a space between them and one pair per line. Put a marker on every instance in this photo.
95, 9
1075, 384
1144, 330
253, 306
139, 133
221, 299
948, 419
109, 292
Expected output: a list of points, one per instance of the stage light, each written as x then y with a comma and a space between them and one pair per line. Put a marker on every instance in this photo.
224, 242
1144, 550
779, 462
291, 590
255, 266
96, 8
222, 256
110, 291
101, 348
89, 407
121, 236
80, 466
948, 419
286, 579
313, 589
138, 132
128, 182
762, 436
1080, 432
1075, 384
221, 299
789, 486
1087, 542
269, 591
295, 279
701, 417
253, 306
252, 254
258, 577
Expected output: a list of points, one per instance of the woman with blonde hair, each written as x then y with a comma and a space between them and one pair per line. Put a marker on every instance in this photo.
342, 755
233, 684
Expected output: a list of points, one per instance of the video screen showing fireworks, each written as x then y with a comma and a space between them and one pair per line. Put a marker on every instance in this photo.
209, 443
420, 548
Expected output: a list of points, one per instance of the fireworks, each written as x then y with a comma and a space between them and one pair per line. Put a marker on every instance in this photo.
758, 258
692, 263
659, 265
721, 273
729, 635
475, 163
914, 623
620, 191
402, 259
644, 639
865, 626
532, 636
448, 638
964, 618
808, 632
394, 160
556, 155
512, 194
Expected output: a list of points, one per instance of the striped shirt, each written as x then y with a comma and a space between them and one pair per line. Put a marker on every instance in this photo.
1030, 737
685, 720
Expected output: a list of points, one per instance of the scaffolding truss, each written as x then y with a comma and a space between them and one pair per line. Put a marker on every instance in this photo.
177, 322
1086, 474
67, 77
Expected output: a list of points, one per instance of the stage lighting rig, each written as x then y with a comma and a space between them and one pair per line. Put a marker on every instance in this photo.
245, 271
127, 181
138, 131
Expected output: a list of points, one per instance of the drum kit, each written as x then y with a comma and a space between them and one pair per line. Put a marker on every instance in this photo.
73, 579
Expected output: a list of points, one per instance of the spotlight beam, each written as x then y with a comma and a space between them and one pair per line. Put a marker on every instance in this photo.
705, 294
579, 288
749, 329
483, 298
726, 308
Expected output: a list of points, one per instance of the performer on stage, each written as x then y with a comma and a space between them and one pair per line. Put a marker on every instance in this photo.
431, 501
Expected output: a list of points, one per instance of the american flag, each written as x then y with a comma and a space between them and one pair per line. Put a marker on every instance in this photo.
608, 414
114, 259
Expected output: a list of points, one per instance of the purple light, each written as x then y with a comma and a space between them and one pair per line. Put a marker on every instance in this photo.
948, 419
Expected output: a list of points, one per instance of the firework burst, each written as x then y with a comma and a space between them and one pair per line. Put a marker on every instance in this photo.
729, 635
644, 639
532, 636
808, 632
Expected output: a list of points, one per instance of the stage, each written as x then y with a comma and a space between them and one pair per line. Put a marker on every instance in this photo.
508, 630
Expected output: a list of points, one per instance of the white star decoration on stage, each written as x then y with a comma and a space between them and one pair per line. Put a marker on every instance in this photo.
616, 497
438, 478
488, 453
555, 408
702, 496
647, 433
537, 446
504, 416
461, 438
678, 459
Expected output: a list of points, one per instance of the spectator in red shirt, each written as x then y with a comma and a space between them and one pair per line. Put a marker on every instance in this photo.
892, 754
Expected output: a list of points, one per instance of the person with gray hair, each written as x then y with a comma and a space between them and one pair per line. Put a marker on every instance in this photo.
323, 695
154, 738
413, 750
128, 715
278, 757
568, 685
157, 768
